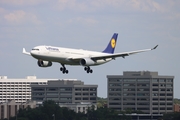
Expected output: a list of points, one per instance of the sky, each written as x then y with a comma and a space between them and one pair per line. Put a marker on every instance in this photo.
89, 24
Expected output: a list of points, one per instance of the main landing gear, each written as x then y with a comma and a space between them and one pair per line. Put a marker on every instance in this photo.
63, 69
88, 69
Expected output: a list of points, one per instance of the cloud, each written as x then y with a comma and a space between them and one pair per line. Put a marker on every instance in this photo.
125, 5
73, 4
20, 16
21, 2
87, 21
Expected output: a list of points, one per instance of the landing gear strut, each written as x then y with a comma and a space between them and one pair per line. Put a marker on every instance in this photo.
63, 69
88, 69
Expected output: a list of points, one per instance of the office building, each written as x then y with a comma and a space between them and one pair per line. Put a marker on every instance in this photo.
10, 108
142, 90
65, 91
18, 89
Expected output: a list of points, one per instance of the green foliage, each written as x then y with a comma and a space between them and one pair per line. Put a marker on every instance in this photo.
51, 111
171, 116
176, 101
101, 102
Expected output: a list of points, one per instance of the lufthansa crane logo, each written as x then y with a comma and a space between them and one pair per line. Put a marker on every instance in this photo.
113, 43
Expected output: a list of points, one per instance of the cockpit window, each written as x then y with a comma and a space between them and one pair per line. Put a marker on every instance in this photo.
35, 49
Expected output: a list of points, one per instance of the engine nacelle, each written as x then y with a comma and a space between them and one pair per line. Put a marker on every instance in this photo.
86, 62
44, 63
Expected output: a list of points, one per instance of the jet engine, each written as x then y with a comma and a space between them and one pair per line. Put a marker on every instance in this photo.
44, 63
86, 62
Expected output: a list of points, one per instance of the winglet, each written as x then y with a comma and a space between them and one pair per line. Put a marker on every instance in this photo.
24, 51
154, 47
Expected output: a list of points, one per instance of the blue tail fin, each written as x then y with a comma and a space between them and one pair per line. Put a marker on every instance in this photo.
112, 44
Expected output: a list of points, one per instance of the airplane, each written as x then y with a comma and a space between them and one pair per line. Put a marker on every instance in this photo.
67, 56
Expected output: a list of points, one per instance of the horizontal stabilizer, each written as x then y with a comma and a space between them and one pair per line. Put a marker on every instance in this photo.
24, 52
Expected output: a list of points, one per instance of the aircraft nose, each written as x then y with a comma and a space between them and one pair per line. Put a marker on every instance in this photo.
34, 52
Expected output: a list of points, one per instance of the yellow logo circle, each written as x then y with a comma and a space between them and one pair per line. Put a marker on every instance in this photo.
113, 43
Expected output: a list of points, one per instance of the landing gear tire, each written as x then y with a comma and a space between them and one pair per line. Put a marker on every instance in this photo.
63, 69
88, 69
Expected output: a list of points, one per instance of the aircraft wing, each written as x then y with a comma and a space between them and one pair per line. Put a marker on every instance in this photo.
113, 56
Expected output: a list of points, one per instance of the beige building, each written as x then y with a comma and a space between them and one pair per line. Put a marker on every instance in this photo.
10, 108
176, 108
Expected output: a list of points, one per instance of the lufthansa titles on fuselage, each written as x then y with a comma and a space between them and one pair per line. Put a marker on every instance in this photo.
52, 49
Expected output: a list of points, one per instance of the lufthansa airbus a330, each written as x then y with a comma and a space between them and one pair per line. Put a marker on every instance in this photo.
67, 56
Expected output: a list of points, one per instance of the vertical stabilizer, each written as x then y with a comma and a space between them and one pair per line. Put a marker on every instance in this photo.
112, 44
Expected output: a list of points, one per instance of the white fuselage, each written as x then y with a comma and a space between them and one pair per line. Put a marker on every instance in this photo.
65, 55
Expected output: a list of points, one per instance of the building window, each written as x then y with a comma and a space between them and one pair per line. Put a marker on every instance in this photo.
142, 85
65, 93
77, 93
114, 84
142, 94
155, 103
114, 94
78, 98
154, 89
128, 84
169, 103
142, 89
65, 98
65, 89
85, 93
114, 89
162, 80
155, 85
155, 108
128, 103
155, 94
92, 94
169, 80
162, 103
169, 89
141, 103
128, 99
169, 108
38, 89
162, 94
162, 89
143, 80
162, 99
155, 80
169, 94
52, 93
85, 89
78, 89
129, 80
114, 103
129, 89
169, 85
92, 98
115, 99
129, 94
52, 89
92, 89
155, 98
162, 85
115, 80
162, 108
85, 98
